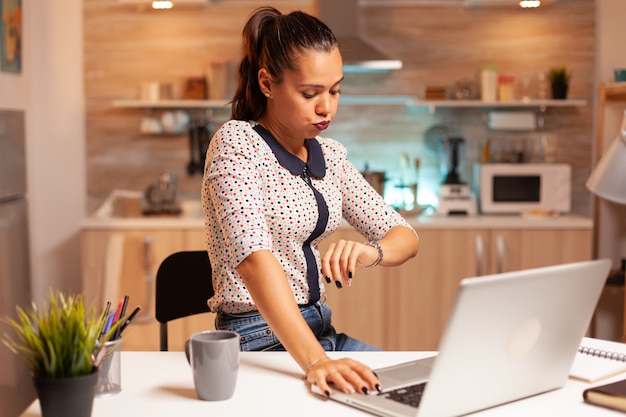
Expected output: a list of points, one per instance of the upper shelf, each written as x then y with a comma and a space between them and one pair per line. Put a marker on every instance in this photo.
615, 91
371, 100
170, 104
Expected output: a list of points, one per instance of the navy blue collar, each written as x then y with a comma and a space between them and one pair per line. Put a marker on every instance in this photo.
316, 164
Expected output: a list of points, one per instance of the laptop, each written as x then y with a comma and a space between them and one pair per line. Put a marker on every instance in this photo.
509, 336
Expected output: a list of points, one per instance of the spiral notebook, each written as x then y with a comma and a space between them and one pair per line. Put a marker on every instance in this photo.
598, 359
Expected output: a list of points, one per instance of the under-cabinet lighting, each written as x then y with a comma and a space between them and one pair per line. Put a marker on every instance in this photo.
167, 4
508, 3
529, 4
162, 4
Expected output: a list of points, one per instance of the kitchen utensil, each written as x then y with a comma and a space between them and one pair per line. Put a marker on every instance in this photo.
150, 126
433, 134
161, 196
199, 138
376, 179
174, 121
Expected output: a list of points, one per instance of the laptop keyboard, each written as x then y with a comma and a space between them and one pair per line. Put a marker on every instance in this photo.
410, 395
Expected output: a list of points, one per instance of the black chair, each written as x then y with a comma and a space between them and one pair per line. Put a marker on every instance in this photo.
183, 286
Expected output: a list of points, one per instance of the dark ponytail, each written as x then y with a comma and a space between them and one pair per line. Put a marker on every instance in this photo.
272, 41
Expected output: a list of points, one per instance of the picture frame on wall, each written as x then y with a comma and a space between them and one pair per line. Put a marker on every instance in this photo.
11, 36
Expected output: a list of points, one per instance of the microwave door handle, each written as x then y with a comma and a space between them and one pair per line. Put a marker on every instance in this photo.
480, 250
500, 253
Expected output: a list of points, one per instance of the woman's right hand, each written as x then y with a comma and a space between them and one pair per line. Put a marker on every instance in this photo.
346, 375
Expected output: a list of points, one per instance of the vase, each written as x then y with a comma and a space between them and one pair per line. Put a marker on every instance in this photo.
559, 91
66, 397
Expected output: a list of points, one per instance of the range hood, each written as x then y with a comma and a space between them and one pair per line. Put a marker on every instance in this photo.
342, 16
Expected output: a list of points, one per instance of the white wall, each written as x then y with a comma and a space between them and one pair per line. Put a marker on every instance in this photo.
611, 53
50, 91
55, 142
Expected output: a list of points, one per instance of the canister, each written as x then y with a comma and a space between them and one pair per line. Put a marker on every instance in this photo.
488, 83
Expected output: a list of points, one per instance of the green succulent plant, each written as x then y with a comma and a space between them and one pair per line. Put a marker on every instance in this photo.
60, 338
559, 75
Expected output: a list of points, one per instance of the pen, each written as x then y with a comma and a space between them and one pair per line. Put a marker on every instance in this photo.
109, 323
121, 316
124, 306
118, 311
104, 318
129, 319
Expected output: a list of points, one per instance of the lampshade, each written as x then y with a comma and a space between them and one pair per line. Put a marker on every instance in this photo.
608, 179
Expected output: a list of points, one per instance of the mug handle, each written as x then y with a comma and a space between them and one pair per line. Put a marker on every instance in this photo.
149, 194
187, 348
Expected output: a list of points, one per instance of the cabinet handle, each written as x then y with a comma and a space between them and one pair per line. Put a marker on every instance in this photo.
500, 253
480, 250
149, 278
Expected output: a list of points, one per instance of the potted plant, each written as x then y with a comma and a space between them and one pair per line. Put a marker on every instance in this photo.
559, 81
60, 342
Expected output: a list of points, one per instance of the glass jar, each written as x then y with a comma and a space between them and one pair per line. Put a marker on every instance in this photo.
506, 88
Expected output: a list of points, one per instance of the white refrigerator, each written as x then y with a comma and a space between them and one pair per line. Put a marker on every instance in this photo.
16, 387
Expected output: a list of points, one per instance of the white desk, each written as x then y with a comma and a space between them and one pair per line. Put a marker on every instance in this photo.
158, 384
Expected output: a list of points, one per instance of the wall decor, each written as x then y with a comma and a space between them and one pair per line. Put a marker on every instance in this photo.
11, 36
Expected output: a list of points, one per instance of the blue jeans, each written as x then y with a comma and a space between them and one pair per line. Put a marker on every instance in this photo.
256, 335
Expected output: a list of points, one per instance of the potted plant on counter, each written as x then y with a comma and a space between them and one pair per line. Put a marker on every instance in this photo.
60, 343
559, 81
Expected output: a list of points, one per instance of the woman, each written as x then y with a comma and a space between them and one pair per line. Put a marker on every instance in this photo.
273, 189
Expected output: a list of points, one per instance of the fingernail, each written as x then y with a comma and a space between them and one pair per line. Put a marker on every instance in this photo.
375, 374
328, 279
349, 274
379, 388
365, 390
338, 284
327, 393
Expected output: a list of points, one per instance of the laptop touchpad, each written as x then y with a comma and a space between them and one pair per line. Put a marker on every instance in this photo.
401, 374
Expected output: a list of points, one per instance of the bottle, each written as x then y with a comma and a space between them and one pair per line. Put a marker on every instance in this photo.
488, 83
486, 152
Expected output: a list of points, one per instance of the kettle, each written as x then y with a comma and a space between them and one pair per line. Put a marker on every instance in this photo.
161, 196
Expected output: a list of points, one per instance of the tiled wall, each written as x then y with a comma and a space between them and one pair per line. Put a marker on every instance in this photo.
438, 46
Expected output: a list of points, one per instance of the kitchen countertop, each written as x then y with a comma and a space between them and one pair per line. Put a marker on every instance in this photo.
191, 219
420, 223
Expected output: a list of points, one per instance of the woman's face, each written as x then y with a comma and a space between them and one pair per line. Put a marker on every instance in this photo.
306, 101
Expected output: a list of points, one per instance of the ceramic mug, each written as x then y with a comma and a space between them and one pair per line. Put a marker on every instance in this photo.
214, 359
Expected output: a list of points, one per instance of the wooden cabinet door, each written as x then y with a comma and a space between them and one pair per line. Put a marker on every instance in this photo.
195, 239
421, 292
513, 250
125, 262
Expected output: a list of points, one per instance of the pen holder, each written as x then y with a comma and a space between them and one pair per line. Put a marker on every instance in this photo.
110, 374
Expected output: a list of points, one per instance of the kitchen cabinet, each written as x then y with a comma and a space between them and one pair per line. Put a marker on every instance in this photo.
118, 262
400, 308
406, 307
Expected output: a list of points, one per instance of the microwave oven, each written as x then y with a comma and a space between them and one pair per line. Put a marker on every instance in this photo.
520, 188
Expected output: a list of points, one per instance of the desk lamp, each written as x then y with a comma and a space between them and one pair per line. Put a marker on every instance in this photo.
608, 179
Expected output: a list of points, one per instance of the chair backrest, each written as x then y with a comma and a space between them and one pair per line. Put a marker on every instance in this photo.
183, 286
